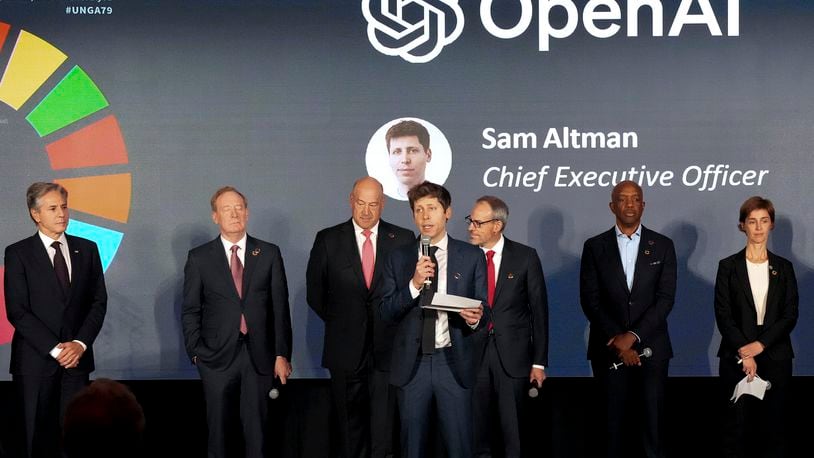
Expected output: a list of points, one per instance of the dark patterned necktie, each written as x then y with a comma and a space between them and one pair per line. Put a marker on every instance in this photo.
61, 269
430, 315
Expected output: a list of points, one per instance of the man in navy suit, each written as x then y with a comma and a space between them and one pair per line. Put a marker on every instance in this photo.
627, 289
237, 326
56, 300
517, 347
344, 283
435, 353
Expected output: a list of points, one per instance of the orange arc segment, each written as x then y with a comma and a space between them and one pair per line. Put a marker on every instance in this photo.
106, 196
4, 28
98, 144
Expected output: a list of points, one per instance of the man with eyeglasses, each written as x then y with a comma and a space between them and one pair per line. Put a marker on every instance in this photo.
344, 284
517, 346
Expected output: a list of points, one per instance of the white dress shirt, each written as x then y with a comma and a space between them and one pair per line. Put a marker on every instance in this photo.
66, 253
442, 338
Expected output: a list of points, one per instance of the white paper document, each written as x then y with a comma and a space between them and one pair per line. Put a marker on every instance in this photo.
451, 303
757, 388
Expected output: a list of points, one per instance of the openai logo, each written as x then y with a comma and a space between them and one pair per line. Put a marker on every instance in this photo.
415, 30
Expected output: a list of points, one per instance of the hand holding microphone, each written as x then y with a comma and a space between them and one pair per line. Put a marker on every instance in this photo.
425, 251
534, 390
646, 353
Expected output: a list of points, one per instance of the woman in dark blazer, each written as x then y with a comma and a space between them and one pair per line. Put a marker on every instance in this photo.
756, 309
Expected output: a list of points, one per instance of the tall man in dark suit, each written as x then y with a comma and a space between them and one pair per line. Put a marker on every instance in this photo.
517, 347
435, 353
627, 289
56, 300
237, 326
344, 282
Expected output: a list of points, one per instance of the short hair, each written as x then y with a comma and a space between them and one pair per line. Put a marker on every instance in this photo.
428, 189
755, 203
408, 129
500, 211
624, 183
35, 192
224, 190
104, 419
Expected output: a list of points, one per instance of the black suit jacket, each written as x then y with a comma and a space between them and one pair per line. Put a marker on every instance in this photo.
520, 311
41, 317
735, 311
212, 307
338, 294
612, 308
466, 276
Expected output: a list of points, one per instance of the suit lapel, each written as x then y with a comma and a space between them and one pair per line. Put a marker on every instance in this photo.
646, 248
771, 295
743, 278
612, 250
350, 250
40, 254
221, 263
384, 244
77, 256
250, 259
506, 259
451, 266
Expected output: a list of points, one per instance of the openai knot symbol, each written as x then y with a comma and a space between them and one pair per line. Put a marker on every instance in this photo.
415, 30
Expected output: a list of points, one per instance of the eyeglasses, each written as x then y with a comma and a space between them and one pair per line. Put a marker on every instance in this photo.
477, 223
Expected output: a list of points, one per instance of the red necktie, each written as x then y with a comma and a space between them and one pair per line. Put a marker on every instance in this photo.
368, 258
490, 281
490, 274
237, 277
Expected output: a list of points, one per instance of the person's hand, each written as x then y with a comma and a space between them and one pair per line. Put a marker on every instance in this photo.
424, 268
70, 354
630, 357
537, 375
749, 368
282, 369
472, 315
750, 350
622, 342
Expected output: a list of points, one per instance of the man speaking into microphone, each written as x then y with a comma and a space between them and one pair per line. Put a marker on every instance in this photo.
627, 288
434, 352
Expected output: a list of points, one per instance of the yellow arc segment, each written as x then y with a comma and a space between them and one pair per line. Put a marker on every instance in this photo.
32, 61
106, 196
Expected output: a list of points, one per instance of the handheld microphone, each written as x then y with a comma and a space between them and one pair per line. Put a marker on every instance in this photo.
274, 393
646, 353
425, 251
534, 390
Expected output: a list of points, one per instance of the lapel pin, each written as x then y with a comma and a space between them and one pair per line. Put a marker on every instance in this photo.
457, 276
76, 251
255, 251
774, 272
511, 275
651, 243
391, 235
647, 252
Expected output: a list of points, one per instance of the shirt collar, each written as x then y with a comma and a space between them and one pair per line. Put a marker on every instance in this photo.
357, 229
227, 245
442, 244
47, 241
619, 233
498, 248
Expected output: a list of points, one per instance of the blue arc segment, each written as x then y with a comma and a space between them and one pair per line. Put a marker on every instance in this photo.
107, 240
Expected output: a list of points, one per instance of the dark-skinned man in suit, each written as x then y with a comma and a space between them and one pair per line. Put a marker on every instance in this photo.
344, 284
517, 346
237, 326
56, 300
627, 290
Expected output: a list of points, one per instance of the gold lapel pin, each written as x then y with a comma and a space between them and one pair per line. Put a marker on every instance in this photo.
255, 251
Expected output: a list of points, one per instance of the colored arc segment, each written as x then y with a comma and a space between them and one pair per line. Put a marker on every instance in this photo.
72, 99
107, 196
32, 61
98, 144
4, 28
107, 240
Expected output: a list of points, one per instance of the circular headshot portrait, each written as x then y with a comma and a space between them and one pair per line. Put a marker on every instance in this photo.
405, 152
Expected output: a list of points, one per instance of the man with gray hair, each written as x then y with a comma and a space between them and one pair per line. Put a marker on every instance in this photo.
56, 300
517, 346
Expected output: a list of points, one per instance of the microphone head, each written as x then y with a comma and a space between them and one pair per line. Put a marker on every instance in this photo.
534, 392
647, 352
274, 393
768, 385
